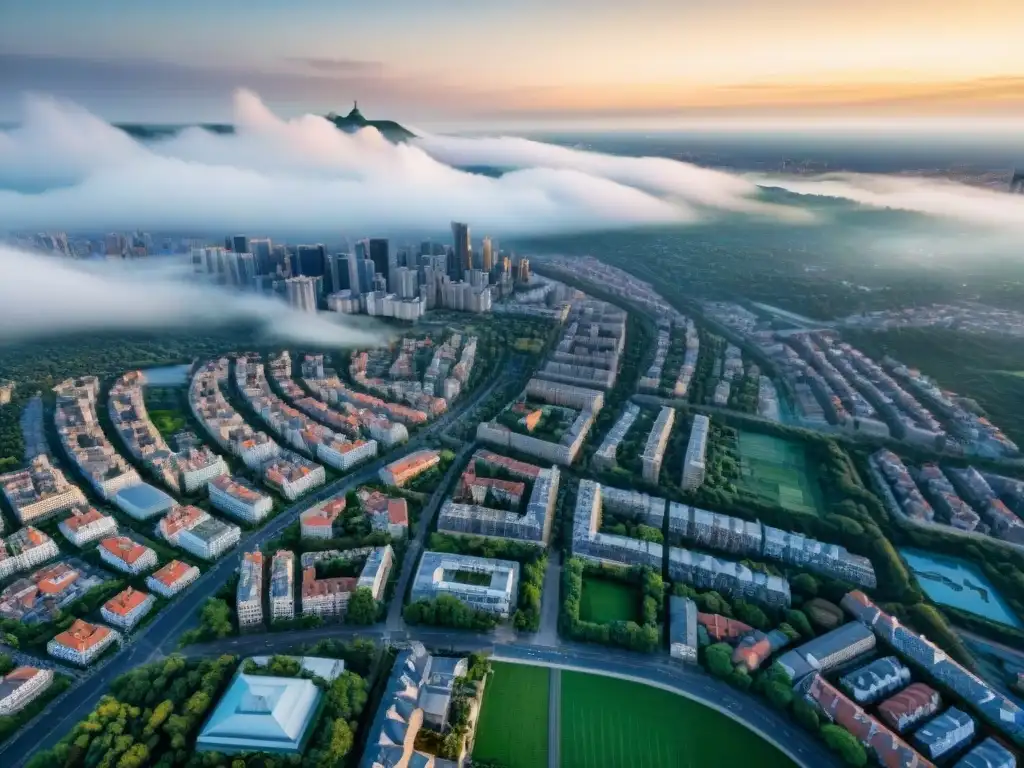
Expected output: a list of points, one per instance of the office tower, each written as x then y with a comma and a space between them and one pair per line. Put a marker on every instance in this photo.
1017, 182
302, 293
426, 248
362, 249
352, 266
463, 249
337, 271
240, 244
261, 250
524, 271
406, 283
366, 272
279, 259
232, 269
115, 244
488, 255
380, 255
380, 283
247, 269
506, 265
228, 244
311, 260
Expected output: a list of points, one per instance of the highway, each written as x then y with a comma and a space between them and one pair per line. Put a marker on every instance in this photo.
160, 637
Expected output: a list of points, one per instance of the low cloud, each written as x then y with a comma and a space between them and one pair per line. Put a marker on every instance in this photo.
47, 295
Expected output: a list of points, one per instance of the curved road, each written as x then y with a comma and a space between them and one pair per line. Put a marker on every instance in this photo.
161, 636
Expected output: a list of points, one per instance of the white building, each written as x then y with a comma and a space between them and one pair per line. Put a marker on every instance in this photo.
374, 575
657, 440
127, 609
20, 686
325, 597
199, 466
82, 642
87, 524
696, 450
249, 597
439, 574
301, 293
344, 454
24, 549
237, 498
282, 586
172, 578
127, 556
198, 533
40, 491
402, 470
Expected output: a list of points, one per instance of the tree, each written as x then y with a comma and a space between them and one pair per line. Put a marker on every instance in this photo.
362, 608
718, 658
806, 714
845, 745
338, 745
779, 694
798, 620
805, 584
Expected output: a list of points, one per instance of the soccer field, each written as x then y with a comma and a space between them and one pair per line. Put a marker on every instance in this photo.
611, 723
605, 601
513, 728
776, 471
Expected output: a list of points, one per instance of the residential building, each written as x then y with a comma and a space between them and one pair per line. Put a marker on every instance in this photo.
418, 694
82, 642
945, 733
912, 705
40, 491
876, 680
172, 578
826, 652
1004, 715
127, 556
374, 575
293, 475
387, 513
20, 686
728, 577
657, 441
302, 293
325, 597
127, 608
143, 502
318, 521
249, 596
344, 454
755, 648
24, 549
198, 466
884, 745
43, 594
438, 574
720, 629
590, 543
606, 455
86, 524
696, 450
282, 586
261, 713
198, 532
828, 559
682, 632
401, 471
580, 398
989, 754
237, 498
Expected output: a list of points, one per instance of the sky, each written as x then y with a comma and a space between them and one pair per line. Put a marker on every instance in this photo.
495, 62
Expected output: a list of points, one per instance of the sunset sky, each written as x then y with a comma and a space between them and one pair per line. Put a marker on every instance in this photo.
434, 61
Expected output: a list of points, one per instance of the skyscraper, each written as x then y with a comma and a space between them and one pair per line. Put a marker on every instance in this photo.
352, 265
240, 244
311, 260
302, 293
463, 248
488, 255
337, 271
380, 255
366, 270
261, 249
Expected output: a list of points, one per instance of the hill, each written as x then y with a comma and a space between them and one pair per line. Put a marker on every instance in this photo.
354, 120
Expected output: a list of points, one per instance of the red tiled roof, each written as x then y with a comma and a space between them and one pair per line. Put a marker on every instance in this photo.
172, 572
81, 636
79, 519
721, 628
123, 548
127, 601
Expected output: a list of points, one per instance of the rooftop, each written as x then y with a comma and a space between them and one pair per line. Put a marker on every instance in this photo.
143, 496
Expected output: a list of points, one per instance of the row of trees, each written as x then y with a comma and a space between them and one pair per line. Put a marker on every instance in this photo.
448, 611
645, 637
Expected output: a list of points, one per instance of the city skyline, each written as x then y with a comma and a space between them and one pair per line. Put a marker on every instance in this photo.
516, 65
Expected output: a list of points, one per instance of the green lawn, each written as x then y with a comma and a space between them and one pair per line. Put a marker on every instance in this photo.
605, 601
513, 727
775, 471
608, 723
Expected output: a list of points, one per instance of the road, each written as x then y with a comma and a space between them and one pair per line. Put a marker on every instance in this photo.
160, 637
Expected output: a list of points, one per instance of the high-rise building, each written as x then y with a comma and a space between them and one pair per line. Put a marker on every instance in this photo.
302, 293
310, 261
366, 272
337, 272
262, 250
524, 271
406, 283
379, 252
240, 244
463, 248
352, 265
487, 255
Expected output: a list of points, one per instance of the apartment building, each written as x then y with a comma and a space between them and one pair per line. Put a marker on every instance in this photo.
875, 681
82, 642
238, 499
945, 733
127, 608
387, 513
696, 451
828, 651
198, 466
914, 704
438, 574
198, 533
682, 633
606, 456
25, 549
40, 492
401, 471
172, 578
344, 454
127, 556
566, 395
327, 598
657, 441
733, 579
86, 524
318, 521
282, 586
20, 686
249, 596
374, 575
293, 475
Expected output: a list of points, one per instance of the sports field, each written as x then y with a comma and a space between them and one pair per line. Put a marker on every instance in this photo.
776, 471
513, 728
605, 601
608, 723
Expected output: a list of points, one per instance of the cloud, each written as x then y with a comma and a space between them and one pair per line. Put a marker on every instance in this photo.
344, 66
45, 295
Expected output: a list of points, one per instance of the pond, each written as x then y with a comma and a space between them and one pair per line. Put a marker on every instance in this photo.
167, 375
958, 584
